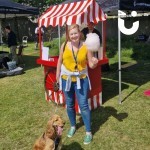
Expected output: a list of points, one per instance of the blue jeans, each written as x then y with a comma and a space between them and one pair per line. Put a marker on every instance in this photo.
81, 95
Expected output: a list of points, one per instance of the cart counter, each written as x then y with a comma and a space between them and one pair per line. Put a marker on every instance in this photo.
95, 94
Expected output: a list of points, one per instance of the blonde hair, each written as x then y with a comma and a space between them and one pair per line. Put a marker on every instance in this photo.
73, 26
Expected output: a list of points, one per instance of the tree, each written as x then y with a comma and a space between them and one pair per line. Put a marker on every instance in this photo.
41, 4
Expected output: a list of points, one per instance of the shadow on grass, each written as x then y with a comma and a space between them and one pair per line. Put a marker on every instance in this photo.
102, 114
111, 89
137, 74
72, 146
132, 73
30, 62
141, 51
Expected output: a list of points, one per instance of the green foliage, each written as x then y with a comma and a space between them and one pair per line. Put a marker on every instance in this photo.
54, 46
129, 48
41, 4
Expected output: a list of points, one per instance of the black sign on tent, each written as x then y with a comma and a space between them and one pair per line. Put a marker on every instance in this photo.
137, 5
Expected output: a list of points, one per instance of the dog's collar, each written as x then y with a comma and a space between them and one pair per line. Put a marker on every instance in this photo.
57, 141
43, 135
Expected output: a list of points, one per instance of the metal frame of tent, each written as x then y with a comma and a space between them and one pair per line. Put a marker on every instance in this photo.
9, 9
112, 8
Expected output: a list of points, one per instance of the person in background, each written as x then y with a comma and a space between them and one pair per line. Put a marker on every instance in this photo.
37, 36
73, 78
12, 43
90, 29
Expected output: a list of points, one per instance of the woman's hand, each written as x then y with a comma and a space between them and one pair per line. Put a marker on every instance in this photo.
93, 63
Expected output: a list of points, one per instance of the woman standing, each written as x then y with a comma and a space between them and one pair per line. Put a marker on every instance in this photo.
73, 77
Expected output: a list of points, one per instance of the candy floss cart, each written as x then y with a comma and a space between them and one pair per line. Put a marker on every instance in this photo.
79, 13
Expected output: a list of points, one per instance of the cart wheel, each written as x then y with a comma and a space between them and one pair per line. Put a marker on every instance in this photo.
50, 79
49, 82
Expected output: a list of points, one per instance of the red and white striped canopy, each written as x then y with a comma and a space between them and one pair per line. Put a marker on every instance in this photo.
72, 13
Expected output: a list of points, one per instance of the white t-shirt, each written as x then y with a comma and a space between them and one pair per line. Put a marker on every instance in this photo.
37, 30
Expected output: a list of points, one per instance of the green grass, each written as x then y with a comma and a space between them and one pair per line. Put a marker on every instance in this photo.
25, 112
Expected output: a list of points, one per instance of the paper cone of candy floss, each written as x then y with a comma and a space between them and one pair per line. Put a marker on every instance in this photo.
92, 42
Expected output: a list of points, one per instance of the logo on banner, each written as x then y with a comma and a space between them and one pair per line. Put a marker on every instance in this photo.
121, 23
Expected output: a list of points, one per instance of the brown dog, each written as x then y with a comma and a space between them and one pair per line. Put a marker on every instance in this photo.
53, 131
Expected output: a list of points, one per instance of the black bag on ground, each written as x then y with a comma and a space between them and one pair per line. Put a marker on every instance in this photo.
3, 62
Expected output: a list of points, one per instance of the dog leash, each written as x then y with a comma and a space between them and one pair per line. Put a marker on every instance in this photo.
56, 102
56, 107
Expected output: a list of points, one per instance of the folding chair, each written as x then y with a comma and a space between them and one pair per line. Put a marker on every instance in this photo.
25, 41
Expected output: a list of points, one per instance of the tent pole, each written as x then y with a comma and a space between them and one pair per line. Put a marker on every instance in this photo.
1, 32
119, 60
40, 42
59, 35
104, 38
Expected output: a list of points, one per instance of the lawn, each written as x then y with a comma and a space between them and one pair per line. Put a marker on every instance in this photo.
126, 126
